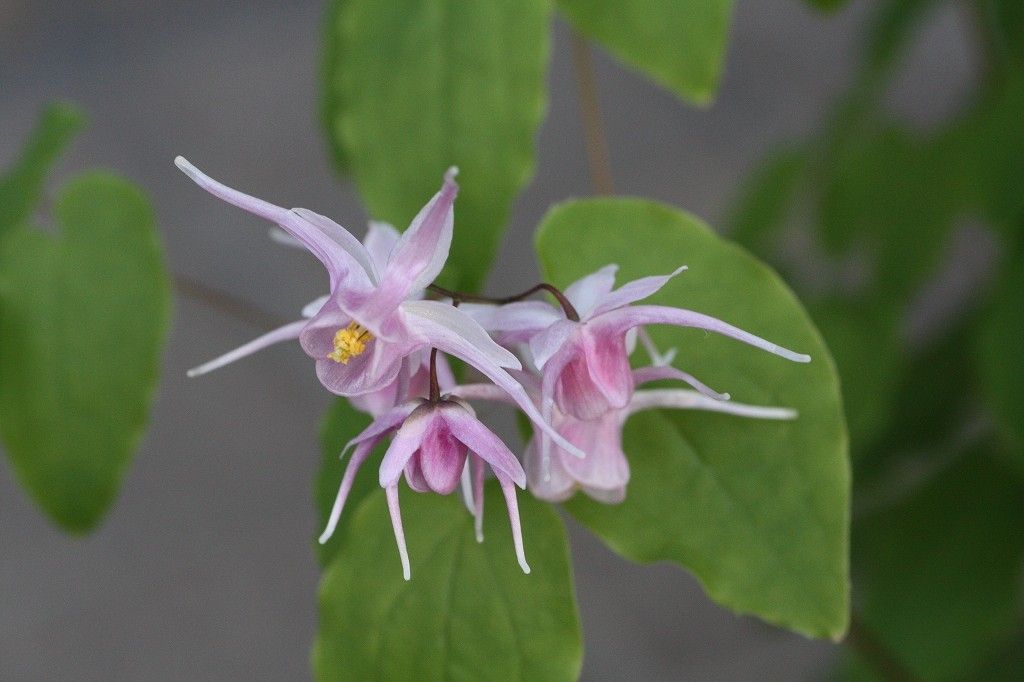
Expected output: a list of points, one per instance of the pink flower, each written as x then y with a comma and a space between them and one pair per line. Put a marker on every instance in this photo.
431, 447
604, 472
361, 334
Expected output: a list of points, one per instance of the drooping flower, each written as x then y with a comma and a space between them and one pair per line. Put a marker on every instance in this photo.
374, 319
431, 447
604, 473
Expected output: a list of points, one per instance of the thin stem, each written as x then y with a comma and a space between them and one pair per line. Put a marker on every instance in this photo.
435, 387
590, 115
224, 302
875, 653
459, 296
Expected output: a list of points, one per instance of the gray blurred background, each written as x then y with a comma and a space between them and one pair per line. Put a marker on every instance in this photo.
204, 569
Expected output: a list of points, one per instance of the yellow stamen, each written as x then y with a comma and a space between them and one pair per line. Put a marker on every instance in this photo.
350, 342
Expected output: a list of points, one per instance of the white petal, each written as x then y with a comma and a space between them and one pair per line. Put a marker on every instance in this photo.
692, 400
450, 321
285, 333
586, 292
634, 291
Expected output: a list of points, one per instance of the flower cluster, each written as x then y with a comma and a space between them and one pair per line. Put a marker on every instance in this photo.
379, 337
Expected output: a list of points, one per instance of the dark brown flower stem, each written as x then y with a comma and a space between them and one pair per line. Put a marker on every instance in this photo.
590, 115
435, 387
462, 297
875, 653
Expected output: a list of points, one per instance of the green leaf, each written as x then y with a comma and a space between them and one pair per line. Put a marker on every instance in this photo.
423, 85
22, 187
83, 316
331, 70
863, 339
757, 510
766, 199
469, 612
680, 44
1001, 356
938, 573
341, 424
827, 5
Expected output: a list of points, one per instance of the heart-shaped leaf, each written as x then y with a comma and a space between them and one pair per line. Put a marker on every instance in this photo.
469, 612
83, 315
680, 44
758, 510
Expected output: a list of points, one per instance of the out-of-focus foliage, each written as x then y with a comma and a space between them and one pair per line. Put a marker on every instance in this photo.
758, 510
680, 44
860, 219
940, 568
469, 612
83, 315
414, 87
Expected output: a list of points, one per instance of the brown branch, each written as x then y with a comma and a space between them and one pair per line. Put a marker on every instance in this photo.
241, 310
875, 653
590, 115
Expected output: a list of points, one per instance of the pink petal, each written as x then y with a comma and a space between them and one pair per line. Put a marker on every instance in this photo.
634, 291
442, 454
433, 319
606, 496
391, 419
286, 333
419, 256
587, 292
414, 475
442, 337
396, 524
406, 443
333, 246
482, 441
513, 516
618, 321
380, 239
358, 457
645, 374
514, 322
605, 466
547, 343
553, 485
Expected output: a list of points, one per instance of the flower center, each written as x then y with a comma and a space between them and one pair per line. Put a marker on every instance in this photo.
350, 342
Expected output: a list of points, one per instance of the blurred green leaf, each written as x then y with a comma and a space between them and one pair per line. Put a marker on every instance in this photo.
828, 5
423, 85
758, 510
340, 425
83, 316
766, 199
21, 188
469, 612
680, 44
1001, 356
938, 573
862, 337
331, 67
